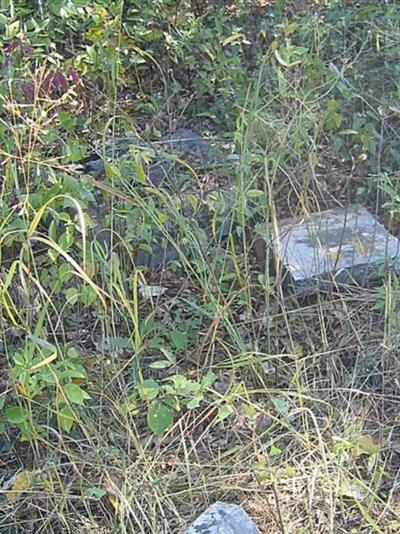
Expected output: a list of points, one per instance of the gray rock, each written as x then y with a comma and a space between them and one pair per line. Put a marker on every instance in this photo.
221, 518
184, 143
187, 143
339, 246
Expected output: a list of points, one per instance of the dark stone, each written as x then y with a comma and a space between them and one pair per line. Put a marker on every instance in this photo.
184, 143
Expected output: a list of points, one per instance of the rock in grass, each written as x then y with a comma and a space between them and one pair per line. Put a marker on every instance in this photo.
338, 246
183, 143
221, 518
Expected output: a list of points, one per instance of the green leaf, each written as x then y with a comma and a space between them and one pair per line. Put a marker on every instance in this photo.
68, 121
16, 415
195, 402
274, 451
254, 193
366, 444
140, 174
224, 412
179, 339
12, 29
182, 386
72, 295
66, 239
148, 389
280, 405
94, 492
289, 471
208, 380
75, 393
160, 364
112, 171
88, 295
66, 418
42, 343
290, 55
159, 418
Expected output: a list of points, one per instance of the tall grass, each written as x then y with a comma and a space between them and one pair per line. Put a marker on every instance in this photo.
300, 425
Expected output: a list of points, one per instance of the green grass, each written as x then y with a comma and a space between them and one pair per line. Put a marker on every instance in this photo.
288, 406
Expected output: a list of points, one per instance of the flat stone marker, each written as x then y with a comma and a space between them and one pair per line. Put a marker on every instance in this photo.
343, 246
221, 518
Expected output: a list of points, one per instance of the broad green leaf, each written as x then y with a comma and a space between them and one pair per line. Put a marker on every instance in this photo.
75, 393
348, 132
179, 339
88, 295
66, 418
159, 418
129, 405
160, 364
289, 471
182, 386
112, 171
148, 389
72, 295
254, 193
16, 415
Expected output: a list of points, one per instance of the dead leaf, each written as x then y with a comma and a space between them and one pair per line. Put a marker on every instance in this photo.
21, 483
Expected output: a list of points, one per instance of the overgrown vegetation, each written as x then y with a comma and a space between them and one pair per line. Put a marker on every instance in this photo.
133, 395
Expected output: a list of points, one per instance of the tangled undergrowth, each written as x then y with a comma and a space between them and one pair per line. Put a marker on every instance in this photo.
135, 393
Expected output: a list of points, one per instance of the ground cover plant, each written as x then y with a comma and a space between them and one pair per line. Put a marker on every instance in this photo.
134, 393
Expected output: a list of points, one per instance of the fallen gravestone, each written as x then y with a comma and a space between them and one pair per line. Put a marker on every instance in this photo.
221, 518
339, 246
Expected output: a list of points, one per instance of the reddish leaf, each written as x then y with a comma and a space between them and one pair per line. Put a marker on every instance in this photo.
74, 76
60, 82
28, 89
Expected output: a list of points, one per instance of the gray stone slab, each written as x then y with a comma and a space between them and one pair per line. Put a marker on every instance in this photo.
341, 245
221, 518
